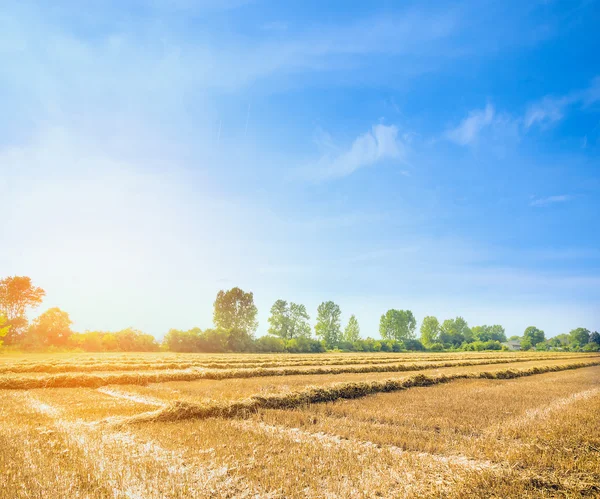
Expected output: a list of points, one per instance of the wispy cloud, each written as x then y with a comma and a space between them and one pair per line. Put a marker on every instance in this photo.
379, 144
551, 109
562, 198
469, 129
547, 111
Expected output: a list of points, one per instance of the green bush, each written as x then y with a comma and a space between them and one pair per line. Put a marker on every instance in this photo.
436, 347
270, 344
414, 345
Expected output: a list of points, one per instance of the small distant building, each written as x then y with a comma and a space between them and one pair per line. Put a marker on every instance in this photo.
512, 345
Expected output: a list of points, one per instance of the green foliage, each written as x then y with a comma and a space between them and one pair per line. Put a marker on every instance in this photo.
487, 333
372, 345
17, 294
234, 310
52, 328
534, 335
279, 319
289, 321
412, 344
526, 344
479, 346
299, 321
270, 344
239, 341
436, 347
126, 340
352, 331
397, 325
560, 341
595, 337
328, 326
455, 332
579, 337
305, 345
430, 331
4, 327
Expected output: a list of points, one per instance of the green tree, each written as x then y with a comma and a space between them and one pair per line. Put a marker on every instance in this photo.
534, 335
17, 294
489, 333
497, 333
328, 326
279, 321
299, 321
53, 327
352, 331
235, 310
289, 321
455, 332
595, 337
397, 325
526, 344
579, 337
430, 331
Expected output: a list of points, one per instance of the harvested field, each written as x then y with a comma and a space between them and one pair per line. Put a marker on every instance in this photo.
373, 425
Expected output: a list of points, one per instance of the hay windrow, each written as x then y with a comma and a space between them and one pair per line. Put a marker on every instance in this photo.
180, 410
96, 380
97, 365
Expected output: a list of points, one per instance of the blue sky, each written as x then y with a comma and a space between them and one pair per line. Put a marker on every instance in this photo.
441, 157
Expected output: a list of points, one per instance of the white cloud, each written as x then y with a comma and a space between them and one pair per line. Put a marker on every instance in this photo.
550, 200
469, 129
379, 144
552, 109
546, 111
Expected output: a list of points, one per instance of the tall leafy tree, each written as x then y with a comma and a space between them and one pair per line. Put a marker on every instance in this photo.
497, 333
397, 325
235, 310
289, 321
579, 337
17, 294
487, 333
595, 337
430, 331
328, 326
279, 321
534, 335
455, 331
53, 327
299, 321
352, 331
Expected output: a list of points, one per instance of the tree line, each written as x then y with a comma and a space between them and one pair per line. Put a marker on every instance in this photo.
235, 325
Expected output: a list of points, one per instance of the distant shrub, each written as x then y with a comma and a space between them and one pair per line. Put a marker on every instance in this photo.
436, 347
492, 345
414, 345
345, 346
270, 344
304, 345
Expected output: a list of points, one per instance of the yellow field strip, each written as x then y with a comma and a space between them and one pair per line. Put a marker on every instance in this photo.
178, 410
298, 435
122, 476
109, 364
95, 380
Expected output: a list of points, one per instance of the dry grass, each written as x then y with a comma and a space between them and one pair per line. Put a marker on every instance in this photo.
107, 373
526, 428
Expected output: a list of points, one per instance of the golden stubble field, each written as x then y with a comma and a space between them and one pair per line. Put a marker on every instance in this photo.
492, 424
